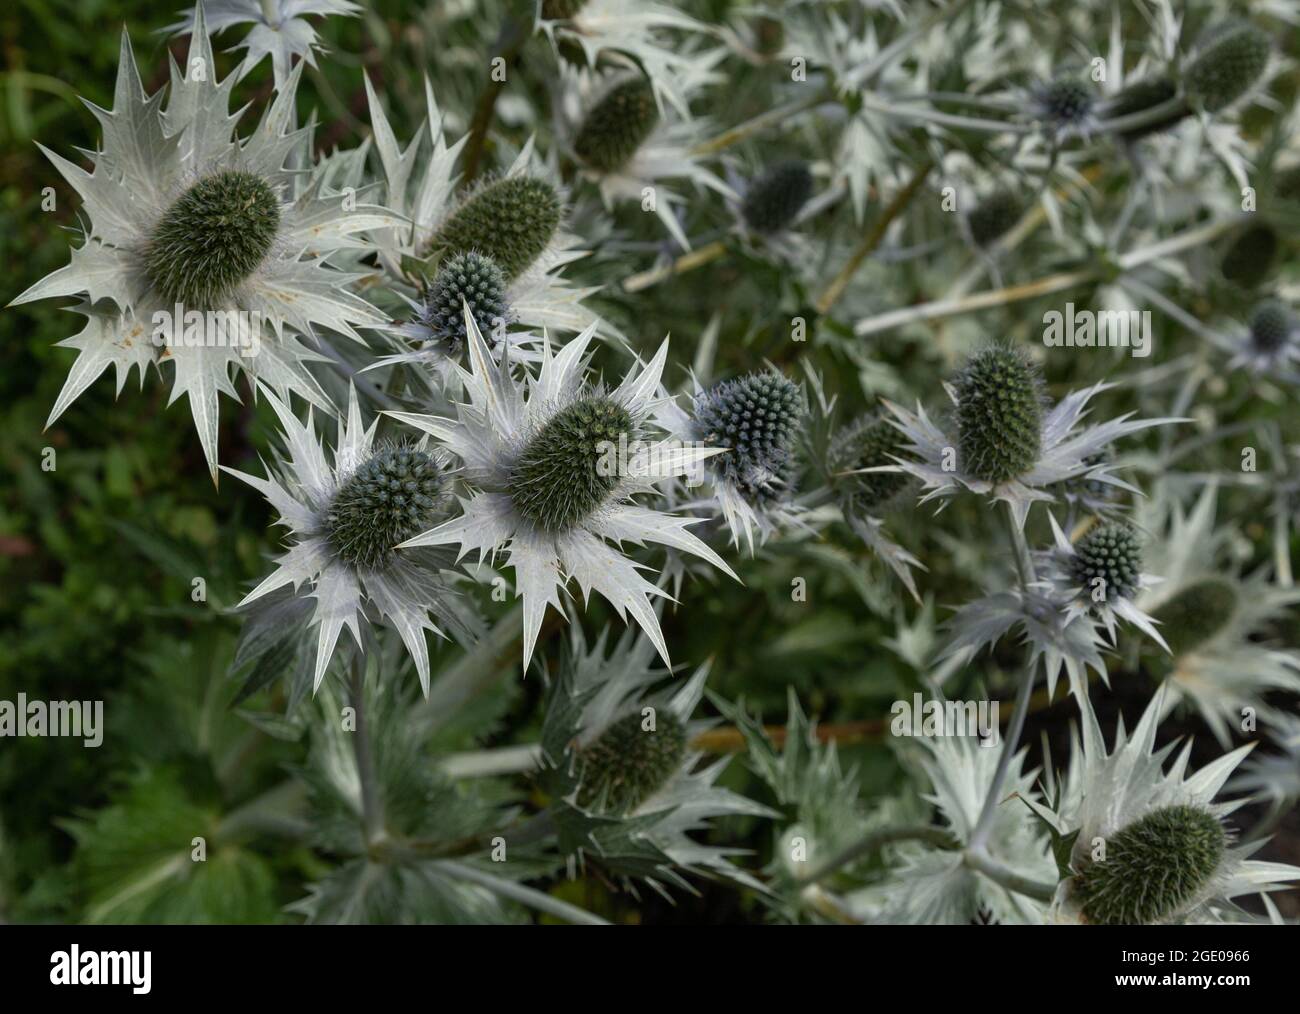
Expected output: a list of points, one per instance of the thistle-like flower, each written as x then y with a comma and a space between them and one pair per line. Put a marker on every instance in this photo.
1269, 344
280, 29
776, 196
994, 215
553, 462
1100, 576
1009, 444
630, 34
625, 142
754, 421
346, 519
515, 219
1167, 857
187, 223
1065, 106
621, 754
1232, 57
1213, 619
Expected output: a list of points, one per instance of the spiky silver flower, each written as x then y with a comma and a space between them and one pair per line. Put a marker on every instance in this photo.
346, 519
188, 223
1174, 860
1100, 576
553, 462
1213, 617
631, 768
1009, 445
630, 149
280, 29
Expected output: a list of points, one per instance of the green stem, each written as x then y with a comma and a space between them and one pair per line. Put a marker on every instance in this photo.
937, 836
371, 802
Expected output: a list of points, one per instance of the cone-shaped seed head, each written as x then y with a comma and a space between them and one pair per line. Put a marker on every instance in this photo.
1196, 614
1249, 259
571, 465
468, 278
1152, 867
1270, 325
212, 238
757, 417
626, 764
1228, 67
1107, 562
389, 499
617, 125
776, 196
994, 216
1065, 101
868, 443
999, 414
511, 220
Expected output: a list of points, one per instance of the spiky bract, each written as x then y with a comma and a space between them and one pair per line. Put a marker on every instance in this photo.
1152, 867
212, 237
569, 467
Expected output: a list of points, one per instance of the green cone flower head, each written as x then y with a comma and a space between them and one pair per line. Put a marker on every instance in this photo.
617, 125
1231, 63
627, 763
1142, 95
1153, 867
563, 473
511, 220
757, 417
1196, 614
868, 443
994, 216
1065, 102
1270, 325
999, 414
391, 497
776, 196
1107, 562
212, 237
1250, 257
469, 278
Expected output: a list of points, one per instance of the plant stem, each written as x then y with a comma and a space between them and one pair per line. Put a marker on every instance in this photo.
510, 41
371, 803
873, 238
982, 862
924, 115
738, 133
1145, 117
525, 895
686, 262
937, 836
1026, 576
505, 760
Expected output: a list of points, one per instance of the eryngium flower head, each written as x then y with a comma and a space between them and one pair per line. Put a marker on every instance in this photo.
511, 220
1232, 61
1065, 102
776, 196
1152, 867
561, 476
1250, 256
994, 216
626, 764
757, 418
1142, 95
212, 237
1107, 562
468, 278
1196, 613
390, 497
999, 414
540, 492
869, 442
617, 125
1270, 326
